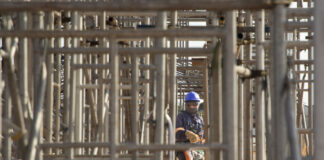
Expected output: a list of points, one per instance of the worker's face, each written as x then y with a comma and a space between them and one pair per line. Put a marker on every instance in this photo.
192, 107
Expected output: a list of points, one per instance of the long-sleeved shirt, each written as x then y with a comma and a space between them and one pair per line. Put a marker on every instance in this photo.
186, 121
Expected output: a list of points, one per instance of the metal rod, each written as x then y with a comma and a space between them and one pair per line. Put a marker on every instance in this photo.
128, 6
293, 25
248, 97
240, 101
194, 14
23, 65
101, 83
318, 85
131, 51
114, 101
291, 44
145, 127
206, 117
160, 102
279, 70
49, 86
7, 111
3, 132
78, 93
134, 102
125, 33
57, 90
229, 98
18, 116
132, 147
66, 86
173, 71
310, 91
300, 12
72, 79
37, 121
259, 96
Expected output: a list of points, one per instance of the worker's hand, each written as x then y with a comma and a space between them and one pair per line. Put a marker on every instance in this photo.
193, 137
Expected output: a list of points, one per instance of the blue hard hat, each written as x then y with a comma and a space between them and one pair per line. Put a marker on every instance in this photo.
192, 96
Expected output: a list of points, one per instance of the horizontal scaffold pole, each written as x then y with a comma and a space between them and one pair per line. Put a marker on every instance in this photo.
145, 5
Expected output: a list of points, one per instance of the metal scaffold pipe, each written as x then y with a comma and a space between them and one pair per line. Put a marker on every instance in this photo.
160, 61
57, 90
38, 118
259, 96
133, 147
131, 51
49, 85
134, 102
120, 34
66, 87
173, 72
229, 91
114, 99
145, 128
279, 78
248, 98
128, 5
299, 12
73, 94
319, 78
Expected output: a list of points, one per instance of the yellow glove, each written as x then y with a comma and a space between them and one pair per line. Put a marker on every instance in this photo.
193, 137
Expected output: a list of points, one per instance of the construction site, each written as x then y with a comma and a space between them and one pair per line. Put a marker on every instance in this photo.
106, 79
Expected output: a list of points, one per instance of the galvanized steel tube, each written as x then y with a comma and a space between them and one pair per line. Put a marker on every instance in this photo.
229, 89
114, 99
160, 87
259, 96
319, 79
279, 78
134, 102
49, 85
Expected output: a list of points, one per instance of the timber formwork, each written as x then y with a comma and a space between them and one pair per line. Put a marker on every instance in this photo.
106, 79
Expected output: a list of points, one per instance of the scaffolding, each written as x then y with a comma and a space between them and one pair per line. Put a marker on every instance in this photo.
105, 79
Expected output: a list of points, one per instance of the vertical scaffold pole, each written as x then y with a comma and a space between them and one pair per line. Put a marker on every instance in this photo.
78, 92
23, 64
172, 77
319, 79
57, 90
114, 98
7, 110
2, 86
247, 99
72, 103
101, 90
145, 128
279, 93
239, 53
215, 109
229, 89
160, 87
259, 96
66, 86
38, 60
49, 85
134, 102
173, 70
310, 90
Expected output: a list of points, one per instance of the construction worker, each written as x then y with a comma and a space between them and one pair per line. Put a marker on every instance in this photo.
189, 127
